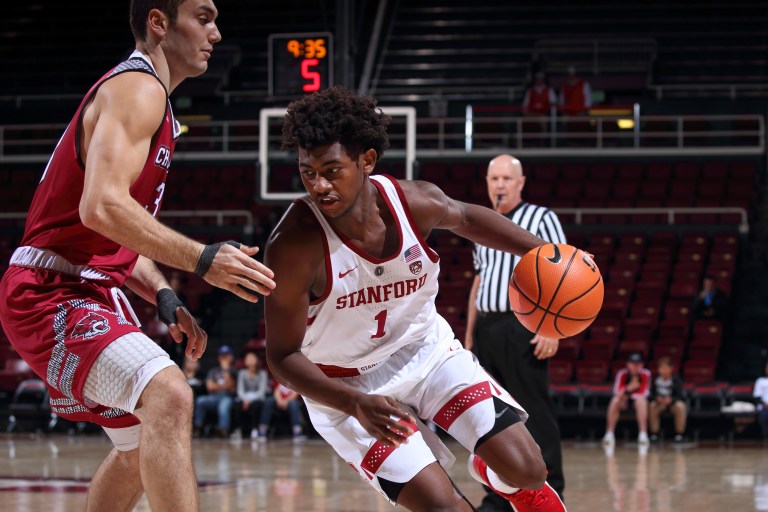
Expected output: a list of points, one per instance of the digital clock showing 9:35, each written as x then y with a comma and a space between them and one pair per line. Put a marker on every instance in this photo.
300, 63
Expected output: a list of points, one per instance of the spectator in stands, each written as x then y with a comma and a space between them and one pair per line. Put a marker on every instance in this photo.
761, 395
190, 368
516, 358
667, 395
252, 389
177, 282
711, 301
220, 385
284, 399
632, 385
540, 97
575, 94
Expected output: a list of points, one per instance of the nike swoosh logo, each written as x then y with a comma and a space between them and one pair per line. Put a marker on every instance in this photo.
557, 257
500, 414
343, 274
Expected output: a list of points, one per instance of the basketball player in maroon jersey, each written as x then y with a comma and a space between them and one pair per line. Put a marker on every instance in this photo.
353, 326
91, 229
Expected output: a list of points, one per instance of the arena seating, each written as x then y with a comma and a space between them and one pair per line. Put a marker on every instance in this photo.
446, 47
652, 270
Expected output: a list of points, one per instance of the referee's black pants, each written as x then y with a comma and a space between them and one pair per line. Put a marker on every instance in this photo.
504, 349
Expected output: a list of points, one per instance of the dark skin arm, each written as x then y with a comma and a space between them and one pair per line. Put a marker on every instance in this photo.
287, 306
286, 312
432, 209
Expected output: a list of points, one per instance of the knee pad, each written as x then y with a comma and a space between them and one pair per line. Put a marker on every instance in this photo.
506, 416
124, 439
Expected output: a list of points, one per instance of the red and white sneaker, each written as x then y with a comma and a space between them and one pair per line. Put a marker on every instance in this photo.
542, 500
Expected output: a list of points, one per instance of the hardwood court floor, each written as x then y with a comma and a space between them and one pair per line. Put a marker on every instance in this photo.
51, 474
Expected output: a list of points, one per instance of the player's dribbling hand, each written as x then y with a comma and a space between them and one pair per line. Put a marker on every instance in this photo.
384, 419
236, 271
197, 338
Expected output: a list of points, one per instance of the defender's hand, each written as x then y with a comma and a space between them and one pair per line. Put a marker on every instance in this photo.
235, 270
197, 339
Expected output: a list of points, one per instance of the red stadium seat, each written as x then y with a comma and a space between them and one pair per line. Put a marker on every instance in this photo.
695, 238
639, 328
687, 171
698, 372
714, 170
628, 347
606, 329
573, 172
677, 310
704, 349
649, 289
598, 350
629, 170
560, 371
658, 172
676, 329
744, 171
673, 349
683, 290
707, 330
591, 372
601, 172
568, 350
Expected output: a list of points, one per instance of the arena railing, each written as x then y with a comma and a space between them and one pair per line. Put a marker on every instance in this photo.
463, 137
731, 91
248, 225
672, 214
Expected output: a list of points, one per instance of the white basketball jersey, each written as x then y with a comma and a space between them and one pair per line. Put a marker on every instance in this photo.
371, 307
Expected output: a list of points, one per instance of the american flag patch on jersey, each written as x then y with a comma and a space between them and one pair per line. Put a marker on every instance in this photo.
412, 253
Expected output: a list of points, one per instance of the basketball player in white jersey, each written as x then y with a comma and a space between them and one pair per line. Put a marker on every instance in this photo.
352, 325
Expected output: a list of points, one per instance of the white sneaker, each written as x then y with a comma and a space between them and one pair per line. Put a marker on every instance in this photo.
642, 438
609, 439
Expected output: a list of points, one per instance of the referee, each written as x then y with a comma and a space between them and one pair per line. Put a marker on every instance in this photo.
507, 350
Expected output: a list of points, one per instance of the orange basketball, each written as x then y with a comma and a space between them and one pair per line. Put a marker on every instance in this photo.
556, 290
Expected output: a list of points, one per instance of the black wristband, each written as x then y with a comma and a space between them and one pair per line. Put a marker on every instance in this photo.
167, 302
209, 253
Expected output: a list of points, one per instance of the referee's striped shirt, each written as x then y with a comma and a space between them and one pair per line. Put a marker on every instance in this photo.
495, 267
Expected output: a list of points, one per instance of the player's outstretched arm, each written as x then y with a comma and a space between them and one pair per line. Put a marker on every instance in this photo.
295, 253
117, 132
432, 209
149, 283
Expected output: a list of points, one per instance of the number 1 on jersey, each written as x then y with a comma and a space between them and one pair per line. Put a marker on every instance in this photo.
381, 320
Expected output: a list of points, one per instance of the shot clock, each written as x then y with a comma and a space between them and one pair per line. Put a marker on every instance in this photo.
300, 63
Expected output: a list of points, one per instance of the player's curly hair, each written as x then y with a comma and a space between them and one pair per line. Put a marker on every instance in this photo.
336, 115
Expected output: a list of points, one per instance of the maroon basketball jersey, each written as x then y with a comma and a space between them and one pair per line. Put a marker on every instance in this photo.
54, 219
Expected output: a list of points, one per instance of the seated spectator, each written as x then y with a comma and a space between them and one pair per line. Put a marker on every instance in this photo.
632, 385
761, 394
575, 94
178, 281
220, 385
539, 98
190, 368
287, 400
711, 301
252, 389
667, 395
